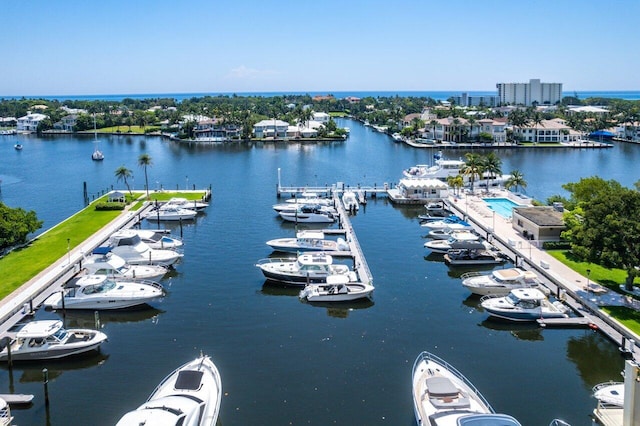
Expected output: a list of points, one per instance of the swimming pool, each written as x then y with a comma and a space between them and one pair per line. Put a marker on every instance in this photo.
502, 206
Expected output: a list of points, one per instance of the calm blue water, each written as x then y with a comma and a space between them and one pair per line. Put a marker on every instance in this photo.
283, 361
502, 206
437, 95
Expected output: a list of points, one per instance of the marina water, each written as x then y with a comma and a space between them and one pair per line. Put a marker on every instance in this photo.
283, 361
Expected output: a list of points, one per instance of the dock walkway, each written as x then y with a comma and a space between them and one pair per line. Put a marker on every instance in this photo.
583, 296
360, 263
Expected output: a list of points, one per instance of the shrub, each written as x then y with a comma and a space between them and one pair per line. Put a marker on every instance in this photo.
556, 245
109, 206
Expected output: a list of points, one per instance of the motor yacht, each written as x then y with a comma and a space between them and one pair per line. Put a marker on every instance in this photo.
457, 240
171, 213
442, 396
338, 288
308, 241
350, 201
102, 261
158, 239
189, 396
48, 339
101, 292
524, 304
183, 203
308, 268
128, 245
500, 282
308, 214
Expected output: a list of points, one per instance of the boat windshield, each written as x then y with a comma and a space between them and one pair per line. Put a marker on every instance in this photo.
60, 335
513, 299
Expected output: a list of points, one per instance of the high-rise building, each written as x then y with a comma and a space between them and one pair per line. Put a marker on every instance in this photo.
529, 93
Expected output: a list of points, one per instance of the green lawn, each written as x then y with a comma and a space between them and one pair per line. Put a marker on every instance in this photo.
136, 130
628, 317
610, 278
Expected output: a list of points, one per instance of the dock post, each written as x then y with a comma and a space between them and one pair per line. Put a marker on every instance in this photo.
62, 299
7, 341
30, 306
96, 319
45, 381
180, 227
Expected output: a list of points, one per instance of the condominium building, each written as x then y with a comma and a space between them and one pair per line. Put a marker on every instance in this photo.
531, 93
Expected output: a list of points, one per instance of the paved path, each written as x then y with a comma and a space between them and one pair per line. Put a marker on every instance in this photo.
586, 292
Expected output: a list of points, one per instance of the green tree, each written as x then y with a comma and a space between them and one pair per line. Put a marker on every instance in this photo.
492, 166
15, 225
123, 174
603, 228
456, 182
516, 179
472, 168
145, 161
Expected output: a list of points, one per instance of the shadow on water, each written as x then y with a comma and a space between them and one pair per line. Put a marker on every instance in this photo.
342, 309
273, 288
521, 331
32, 370
87, 318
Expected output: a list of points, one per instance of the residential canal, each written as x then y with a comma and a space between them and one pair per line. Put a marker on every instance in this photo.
283, 361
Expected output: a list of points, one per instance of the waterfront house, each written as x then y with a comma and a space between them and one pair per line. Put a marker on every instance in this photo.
30, 122
554, 131
271, 128
541, 223
418, 191
496, 128
67, 123
215, 130
320, 117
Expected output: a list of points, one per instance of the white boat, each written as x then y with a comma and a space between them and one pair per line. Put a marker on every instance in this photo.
397, 137
473, 256
308, 241
308, 214
441, 170
310, 198
350, 201
524, 304
102, 261
5, 413
500, 282
292, 207
18, 147
171, 213
308, 268
183, 203
158, 239
446, 233
442, 396
128, 245
101, 292
336, 289
446, 223
362, 196
48, 339
609, 394
189, 396
453, 243
97, 155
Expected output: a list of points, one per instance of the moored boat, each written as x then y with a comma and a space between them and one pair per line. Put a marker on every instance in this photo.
171, 213
338, 288
308, 241
5, 413
102, 261
183, 203
500, 282
157, 239
524, 304
473, 256
350, 201
189, 396
308, 214
443, 246
610, 394
446, 223
442, 396
129, 246
48, 339
308, 268
101, 292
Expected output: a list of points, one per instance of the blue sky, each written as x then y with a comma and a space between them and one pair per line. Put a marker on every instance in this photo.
71, 47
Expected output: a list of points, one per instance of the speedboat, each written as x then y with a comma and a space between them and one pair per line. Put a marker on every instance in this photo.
172, 213
102, 292
18, 146
610, 394
158, 239
442, 396
500, 282
350, 201
48, 339
292, 207
102, 261
190, 396
445, 233
443, 246
310, 198
183, 203
308, 214
336, 289
524, 304
129, 246
308, 268
446, 223
308, 241
473, 256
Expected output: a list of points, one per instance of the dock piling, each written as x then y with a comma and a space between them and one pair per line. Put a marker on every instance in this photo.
45, 381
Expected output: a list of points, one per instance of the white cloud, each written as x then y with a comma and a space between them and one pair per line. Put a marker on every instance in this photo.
245, 73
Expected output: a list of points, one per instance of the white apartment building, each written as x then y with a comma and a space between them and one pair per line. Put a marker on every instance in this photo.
533, 92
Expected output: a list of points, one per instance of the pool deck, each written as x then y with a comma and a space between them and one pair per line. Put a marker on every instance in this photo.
584, 296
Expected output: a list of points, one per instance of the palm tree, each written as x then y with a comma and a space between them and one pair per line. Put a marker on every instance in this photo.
144, 161
536, 119
473, 167
122, 173
433, 123
456, 182
515, 180
491, 164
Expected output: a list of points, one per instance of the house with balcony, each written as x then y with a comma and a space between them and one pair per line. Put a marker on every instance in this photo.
67, 123
496, 128
214, 130
547, 131
271, 128
30, 122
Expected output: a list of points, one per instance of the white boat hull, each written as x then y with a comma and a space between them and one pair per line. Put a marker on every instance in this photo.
324, 293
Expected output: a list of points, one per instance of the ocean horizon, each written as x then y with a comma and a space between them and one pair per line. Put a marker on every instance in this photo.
438, 95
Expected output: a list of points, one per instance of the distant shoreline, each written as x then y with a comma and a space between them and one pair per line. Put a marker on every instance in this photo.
631, 95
